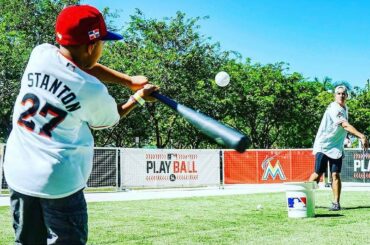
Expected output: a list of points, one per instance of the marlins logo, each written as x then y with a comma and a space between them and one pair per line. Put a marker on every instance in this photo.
274, 171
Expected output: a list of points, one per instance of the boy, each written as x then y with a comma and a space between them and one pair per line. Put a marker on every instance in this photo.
50, 149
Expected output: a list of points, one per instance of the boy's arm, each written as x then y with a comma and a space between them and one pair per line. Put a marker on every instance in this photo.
126, 108
108, 75
142, 94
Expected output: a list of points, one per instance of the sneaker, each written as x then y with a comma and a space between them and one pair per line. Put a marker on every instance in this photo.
335, 206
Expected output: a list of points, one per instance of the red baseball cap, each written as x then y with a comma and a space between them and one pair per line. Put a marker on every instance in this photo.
82, 24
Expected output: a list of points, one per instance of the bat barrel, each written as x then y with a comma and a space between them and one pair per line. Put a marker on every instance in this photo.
221, 133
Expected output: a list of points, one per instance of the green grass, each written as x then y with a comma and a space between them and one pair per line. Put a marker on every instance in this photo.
222, 220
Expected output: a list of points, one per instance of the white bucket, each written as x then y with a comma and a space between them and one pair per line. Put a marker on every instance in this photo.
300, 199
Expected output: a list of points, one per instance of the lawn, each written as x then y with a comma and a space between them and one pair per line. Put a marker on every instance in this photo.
222, 220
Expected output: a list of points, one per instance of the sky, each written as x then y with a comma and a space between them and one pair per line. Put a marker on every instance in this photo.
318, 38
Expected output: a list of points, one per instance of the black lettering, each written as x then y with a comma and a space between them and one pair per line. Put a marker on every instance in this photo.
168, 164
37, 78
63, 91
73, 107
149, 166
45, 82
68, 98
162, 168
30, 79
55, 86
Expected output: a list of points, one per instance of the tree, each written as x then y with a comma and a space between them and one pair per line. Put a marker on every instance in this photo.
264, 102
175, 56
23, 25
300, 130
359, 110
277, 108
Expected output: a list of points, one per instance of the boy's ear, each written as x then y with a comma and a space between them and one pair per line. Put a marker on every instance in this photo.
90, 48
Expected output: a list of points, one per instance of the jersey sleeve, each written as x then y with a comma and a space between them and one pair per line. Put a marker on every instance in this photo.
337, 114
101, 111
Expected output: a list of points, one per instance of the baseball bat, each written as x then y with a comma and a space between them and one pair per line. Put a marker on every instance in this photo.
221, 133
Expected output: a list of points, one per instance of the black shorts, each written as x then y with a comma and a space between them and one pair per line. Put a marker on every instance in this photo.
37, 220
321, 161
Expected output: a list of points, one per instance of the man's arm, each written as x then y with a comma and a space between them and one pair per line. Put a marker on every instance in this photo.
352, 130
108, 75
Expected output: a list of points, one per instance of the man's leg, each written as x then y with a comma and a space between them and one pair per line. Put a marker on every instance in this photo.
335, 168
28, 222
320, 165
315, 177
66, 219
337, 186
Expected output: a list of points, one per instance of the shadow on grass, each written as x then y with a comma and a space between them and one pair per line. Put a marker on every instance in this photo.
346, 208
328, 215
358, 207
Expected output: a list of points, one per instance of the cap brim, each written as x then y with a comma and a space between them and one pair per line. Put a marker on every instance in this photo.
111, 36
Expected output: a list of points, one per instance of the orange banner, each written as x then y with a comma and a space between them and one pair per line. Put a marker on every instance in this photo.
267, 166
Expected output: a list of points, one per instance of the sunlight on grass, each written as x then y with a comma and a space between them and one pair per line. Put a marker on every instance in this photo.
222, 220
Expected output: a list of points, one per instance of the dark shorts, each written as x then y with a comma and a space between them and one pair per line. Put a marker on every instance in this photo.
49, 221
321, 163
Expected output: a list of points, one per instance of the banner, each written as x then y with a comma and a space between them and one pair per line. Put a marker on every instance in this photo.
267, 166
356, 166
169, 168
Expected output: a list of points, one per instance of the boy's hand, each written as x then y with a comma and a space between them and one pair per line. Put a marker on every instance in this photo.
138, 82
146, 91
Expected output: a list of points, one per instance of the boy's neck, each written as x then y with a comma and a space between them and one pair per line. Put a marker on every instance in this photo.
72, 55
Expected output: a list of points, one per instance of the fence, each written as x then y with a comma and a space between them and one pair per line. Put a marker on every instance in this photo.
157, 168
356, 166
1, 165
277, 166
267, 166
105, 171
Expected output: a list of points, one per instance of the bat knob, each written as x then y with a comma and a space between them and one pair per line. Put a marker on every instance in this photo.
243, 144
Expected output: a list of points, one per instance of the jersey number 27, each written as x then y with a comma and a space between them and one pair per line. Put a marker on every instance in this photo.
23, 120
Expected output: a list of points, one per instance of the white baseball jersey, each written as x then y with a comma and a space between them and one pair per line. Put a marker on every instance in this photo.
330, 136
50, 149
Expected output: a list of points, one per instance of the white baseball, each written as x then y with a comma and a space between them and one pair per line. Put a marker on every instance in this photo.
259, 207
222, 79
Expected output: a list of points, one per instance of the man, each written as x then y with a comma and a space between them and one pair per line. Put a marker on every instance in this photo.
328, 146
50, 149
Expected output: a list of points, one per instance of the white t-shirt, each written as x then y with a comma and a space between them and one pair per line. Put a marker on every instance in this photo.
330, 136
50, 149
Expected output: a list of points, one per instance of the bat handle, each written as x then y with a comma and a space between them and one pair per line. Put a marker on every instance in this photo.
164, 99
